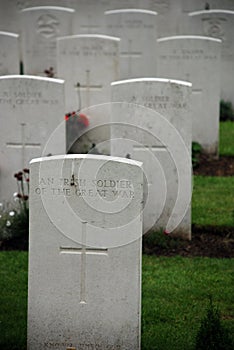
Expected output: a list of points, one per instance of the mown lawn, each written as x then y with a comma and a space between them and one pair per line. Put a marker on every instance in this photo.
226, 146
213, 201
175, 293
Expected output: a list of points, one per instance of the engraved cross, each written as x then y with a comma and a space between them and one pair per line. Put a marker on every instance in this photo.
23, 145
83, 251
130, 54
87, 87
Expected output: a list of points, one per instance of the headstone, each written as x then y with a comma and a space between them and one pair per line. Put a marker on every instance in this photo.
85, 270
170, 19
143, 139
196, 59
89, 16
40, 28
9, 14
92, 62
31, 110
219, 24
88, 64
9, 53
133, 26
197, 5
10, 11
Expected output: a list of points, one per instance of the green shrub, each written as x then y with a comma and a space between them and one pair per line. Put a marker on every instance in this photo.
226, 111
212, 335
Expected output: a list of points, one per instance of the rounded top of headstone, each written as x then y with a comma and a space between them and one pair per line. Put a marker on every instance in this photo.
156, 80
31, 77
209, 12
189, 37
92, 36
88, 156
104, 192
10, 34
149, 12
54, 8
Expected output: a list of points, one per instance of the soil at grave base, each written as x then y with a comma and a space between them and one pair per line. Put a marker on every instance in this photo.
215, 242
209, 241
224, 166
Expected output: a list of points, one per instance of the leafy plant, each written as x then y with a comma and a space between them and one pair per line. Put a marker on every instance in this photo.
226, 111
196, 152
161, 239
212, 335
14, 218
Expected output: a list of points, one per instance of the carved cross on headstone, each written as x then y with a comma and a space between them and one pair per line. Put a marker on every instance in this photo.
23, 145
88, 87
83, 251
130, 54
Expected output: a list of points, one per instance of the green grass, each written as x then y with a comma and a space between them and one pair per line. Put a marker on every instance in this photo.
226, 147
213, 202
175, 294
13, 300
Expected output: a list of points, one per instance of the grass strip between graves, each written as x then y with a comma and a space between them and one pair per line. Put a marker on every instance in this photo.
175, 294
212, 202
226, 147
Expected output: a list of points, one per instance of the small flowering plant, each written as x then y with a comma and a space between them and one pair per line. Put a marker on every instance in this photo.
14, 217
22, 179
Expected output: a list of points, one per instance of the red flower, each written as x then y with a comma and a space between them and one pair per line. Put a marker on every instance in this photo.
166, 233
26, 170
66, 116
83, 119
19, 195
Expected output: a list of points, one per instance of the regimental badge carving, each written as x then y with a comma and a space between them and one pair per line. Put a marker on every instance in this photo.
213, 27
48, 26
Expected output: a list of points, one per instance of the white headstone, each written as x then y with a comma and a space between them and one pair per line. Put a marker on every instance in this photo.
92, 61
195, 5
170, 19
196, 59
142, 137
40, 28
85, 253
9, 15
31, 110
89, 17
137, 31
219, 24
9, 53
10, 11
88, 64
